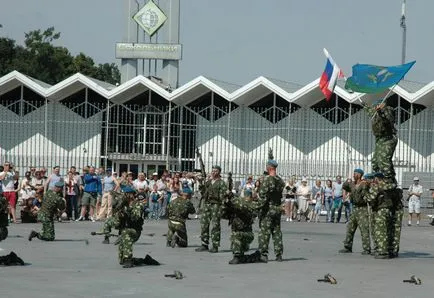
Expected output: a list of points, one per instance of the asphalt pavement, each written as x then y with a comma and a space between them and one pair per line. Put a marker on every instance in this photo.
74, 269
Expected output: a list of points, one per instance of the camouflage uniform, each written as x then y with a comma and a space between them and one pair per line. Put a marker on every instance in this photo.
269, 204
212, 211
3, 218
359, 217
383, 128
242, 213
128, 219
380, 197
178, 211
51, 204
397, 214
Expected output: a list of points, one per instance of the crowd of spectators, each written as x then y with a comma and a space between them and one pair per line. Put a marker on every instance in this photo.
90, 195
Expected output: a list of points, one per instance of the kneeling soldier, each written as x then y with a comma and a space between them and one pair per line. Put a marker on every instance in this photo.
178, 210
51, 204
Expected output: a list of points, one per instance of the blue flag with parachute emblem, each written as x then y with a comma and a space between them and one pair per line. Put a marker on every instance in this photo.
368, 78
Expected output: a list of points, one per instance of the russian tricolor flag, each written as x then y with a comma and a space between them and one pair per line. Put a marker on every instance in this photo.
329, 77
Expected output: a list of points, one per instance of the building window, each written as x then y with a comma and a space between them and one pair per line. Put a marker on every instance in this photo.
30, 102
211, 107
273, 108
335, 110
86, 108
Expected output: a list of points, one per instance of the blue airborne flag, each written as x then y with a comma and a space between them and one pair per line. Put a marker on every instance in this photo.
368, 78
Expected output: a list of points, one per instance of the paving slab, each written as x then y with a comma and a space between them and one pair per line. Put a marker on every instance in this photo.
74, 269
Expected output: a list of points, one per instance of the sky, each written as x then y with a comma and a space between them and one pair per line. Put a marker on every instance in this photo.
237, 41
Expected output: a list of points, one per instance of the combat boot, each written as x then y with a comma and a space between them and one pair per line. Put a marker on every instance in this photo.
345, 251
106, 240
279, 258
366, 252
235, 260
202, 248
214, 249
33, 234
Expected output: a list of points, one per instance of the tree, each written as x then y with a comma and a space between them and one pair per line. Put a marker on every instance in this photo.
40, 59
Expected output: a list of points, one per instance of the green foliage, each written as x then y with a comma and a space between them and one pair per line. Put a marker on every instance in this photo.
42, 60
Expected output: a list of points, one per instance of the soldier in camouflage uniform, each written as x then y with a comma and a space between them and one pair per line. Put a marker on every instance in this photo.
383, 128
397, 214
270, 211
359, 217
380, 197
215, 192
178, 211
51, 204
241, 212
128, 219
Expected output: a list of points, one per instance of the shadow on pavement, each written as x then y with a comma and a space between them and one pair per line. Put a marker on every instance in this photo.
414, 254
294, 259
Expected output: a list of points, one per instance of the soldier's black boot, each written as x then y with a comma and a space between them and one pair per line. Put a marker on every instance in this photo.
235, 260
202, 248
214, 249
168, 244
279, 258
106, 240
366, 252
33, 234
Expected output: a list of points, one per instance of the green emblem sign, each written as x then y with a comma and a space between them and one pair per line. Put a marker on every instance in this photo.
150, 18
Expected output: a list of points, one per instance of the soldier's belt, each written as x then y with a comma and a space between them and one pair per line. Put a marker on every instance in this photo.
175, 222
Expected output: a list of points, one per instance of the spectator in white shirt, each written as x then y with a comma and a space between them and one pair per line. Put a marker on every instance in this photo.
414, 193
7, 176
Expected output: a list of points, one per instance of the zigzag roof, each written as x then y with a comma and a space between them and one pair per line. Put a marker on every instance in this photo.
306, 95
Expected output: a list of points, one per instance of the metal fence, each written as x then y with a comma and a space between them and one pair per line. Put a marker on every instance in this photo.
324, 140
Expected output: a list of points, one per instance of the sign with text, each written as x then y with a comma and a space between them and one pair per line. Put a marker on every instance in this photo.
148, 51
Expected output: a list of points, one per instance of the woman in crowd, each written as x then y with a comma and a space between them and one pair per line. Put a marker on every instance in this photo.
290, 191
328, 198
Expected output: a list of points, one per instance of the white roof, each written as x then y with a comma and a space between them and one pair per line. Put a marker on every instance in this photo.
306, 95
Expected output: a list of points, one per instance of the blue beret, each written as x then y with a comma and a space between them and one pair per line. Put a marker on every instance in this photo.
128, 189
59, 184
272, 163
379, 175
217, 167
360, 171
369, 176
